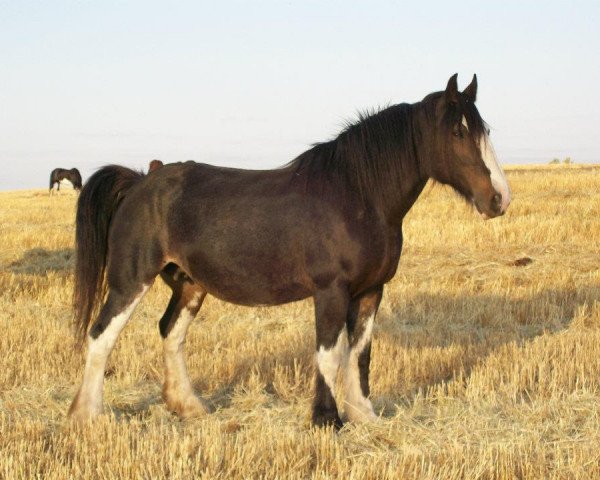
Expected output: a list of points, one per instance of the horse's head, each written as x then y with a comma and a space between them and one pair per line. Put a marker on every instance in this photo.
463, 155
75, 179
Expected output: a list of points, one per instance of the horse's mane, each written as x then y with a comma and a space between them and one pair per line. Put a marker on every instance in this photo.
373, 153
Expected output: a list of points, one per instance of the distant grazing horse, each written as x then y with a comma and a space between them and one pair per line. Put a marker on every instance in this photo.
328, 225
60, 174
154, 165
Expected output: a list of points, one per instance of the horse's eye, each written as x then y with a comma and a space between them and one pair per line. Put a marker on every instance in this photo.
457, 133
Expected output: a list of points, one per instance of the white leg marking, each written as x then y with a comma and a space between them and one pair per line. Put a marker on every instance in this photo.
358, 407
497, 176
88, 402
178, 391
329, 360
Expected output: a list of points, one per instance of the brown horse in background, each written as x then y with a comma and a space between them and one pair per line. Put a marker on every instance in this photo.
60, 174
328, 225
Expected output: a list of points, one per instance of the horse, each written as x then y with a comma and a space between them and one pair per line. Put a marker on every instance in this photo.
327, 225
154, 165
60, 174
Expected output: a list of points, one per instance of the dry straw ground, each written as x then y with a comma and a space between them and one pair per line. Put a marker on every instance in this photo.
485, 365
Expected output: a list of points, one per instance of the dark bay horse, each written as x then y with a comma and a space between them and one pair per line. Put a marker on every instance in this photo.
328, 225
59, 174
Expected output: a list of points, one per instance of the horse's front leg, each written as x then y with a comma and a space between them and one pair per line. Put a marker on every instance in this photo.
331, 309
361, 316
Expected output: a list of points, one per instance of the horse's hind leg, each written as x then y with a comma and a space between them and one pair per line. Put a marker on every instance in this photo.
187, 299
113, 316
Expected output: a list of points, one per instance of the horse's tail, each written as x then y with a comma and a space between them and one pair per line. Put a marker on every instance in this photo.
98, 201
51, 180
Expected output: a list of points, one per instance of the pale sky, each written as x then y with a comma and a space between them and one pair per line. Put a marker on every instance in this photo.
254, 84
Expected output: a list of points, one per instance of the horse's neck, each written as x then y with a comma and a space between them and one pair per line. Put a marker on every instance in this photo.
414, 171
411, 191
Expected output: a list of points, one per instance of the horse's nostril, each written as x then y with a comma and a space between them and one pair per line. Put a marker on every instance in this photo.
497, 201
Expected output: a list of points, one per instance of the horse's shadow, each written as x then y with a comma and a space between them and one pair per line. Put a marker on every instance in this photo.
39, 261
523, 319
501, 321
507, 321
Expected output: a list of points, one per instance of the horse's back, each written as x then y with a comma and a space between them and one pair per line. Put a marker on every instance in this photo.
56, 172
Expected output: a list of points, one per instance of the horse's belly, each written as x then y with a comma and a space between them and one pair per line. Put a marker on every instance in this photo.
241, 295
251, 282
256, 291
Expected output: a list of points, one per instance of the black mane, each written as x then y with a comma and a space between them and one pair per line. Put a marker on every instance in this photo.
381, 147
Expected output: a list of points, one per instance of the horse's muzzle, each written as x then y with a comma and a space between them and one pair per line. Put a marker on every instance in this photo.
493, 208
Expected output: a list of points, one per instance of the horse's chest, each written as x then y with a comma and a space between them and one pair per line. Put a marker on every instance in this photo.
379, 258
390, 256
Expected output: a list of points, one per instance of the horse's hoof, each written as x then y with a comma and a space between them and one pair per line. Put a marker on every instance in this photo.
327, 419
82, 416
361, 414
82, 410
194, 410
190, 407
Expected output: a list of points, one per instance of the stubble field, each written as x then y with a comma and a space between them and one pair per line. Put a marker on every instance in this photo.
486, 356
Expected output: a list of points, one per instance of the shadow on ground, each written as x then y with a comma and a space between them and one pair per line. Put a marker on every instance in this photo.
39, 261
481, 323
497, 321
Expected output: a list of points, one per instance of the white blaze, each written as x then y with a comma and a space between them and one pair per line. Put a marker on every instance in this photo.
464, 122
496, 173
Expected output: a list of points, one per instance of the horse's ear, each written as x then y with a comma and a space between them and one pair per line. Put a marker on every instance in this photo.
451, 93
471, 91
